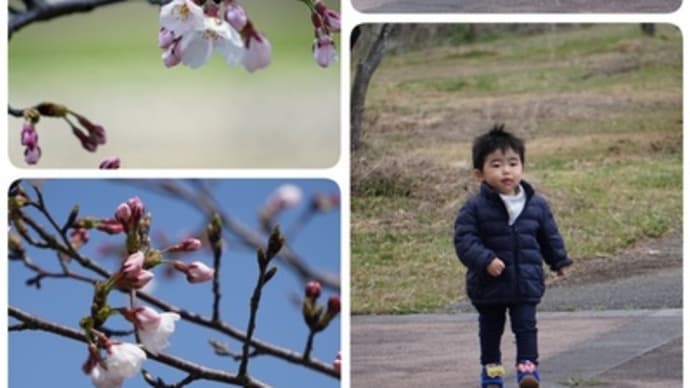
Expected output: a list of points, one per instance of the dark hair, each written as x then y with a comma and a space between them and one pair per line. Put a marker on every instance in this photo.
497, 138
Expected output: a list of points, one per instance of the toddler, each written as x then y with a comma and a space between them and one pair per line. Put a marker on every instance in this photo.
502, 235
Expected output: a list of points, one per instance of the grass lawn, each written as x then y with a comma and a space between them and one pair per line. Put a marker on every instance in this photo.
600, 108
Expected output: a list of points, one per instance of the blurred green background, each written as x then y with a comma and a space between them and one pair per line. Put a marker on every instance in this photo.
106, 65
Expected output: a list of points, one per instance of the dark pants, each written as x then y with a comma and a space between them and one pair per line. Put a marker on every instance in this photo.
523, 321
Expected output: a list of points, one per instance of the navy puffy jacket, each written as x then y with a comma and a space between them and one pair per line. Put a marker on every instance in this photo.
482, 233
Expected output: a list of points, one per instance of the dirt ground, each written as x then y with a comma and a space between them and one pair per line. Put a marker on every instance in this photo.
646, 257
505, 6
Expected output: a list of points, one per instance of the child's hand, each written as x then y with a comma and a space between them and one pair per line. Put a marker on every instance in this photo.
562, 272
495, 267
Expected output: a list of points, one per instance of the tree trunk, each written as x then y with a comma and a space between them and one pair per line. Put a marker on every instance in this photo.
364, 71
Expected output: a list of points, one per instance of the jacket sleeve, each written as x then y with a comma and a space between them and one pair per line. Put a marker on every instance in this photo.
551, 242
468, 245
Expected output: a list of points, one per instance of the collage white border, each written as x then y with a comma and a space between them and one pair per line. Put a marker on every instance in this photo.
340, 173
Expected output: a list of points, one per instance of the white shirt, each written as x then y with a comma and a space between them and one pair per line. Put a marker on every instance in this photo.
514, 204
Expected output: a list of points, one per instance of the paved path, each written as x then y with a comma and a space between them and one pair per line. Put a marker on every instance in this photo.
661, 289
623, 349
619, 323
510, 6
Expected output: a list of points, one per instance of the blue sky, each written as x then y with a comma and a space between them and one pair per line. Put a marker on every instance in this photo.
38, 359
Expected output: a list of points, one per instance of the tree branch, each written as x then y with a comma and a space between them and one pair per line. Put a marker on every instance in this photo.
199, 371
205, 203
46, 11
259, 347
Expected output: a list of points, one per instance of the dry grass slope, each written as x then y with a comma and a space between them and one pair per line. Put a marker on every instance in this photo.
600, 108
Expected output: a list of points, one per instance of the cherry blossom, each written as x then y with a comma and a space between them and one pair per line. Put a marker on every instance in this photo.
286, 196
111, 163
132, 274
123, 361
172, 56
258, 53
329, 17
235, 15
181, 17
32, 155
156, 339
196, 271
324, 49
153, 327
188, 245
198, 45
165, 38
313, 289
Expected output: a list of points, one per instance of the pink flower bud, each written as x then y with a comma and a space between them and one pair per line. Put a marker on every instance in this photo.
173, 55
258, 53
330, 17
137, 208
123, 213
323, 202
198, 272
141, 279
334, 304
110, 226
29, 136
96, 132
324, 50
332, 20
32, 155
79, 237
235, 16
111, 163
313, 289
188, 245
87, 142
165, 38
133, 264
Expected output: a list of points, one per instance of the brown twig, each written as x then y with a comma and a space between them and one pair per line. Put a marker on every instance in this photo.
37, 11
200, 372
208, 205
259, 346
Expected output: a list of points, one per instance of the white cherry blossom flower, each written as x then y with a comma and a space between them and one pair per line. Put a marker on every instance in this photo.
258, 53
286, 196
156, 328
181, 17
197, 46
102, 379
123, 361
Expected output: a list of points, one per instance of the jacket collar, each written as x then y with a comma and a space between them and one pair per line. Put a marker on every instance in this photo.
487, 191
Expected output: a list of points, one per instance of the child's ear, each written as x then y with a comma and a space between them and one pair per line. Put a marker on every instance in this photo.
478, 174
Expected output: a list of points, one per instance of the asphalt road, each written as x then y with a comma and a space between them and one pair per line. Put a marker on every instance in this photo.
618, 324
622, 349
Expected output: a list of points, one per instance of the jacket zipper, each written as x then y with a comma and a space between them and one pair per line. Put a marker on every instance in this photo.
516, 259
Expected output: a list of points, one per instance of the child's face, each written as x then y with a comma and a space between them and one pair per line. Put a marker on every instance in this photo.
502, 171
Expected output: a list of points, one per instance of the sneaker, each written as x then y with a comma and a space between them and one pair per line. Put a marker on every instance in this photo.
492, 376
527, 375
